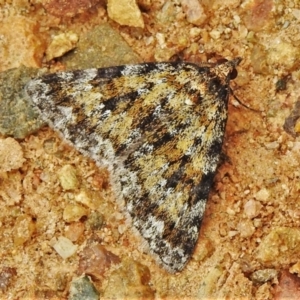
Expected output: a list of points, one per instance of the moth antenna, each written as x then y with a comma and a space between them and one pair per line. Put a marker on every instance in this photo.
242, 104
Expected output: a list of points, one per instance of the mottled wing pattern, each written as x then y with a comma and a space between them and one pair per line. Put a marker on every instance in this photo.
159, 128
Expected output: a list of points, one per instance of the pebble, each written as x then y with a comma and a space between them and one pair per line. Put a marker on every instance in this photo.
280, 246
262, 195
125, 12
130, 281
262, 276
63, 246
23, 229
6, 276
95, 260
83, 289
11, 155
68, 177
74, 212
194, 11
68, 8
101, 47
95, 220
21, 46
61, 44
18, 117
252, 208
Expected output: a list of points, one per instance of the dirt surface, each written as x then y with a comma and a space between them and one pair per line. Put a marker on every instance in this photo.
59, 219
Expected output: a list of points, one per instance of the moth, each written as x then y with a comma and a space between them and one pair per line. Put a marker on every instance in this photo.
158, 128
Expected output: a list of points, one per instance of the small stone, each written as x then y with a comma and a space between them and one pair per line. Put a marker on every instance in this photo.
288, 287
23, 230
26, 36
262, 195
12, 189
85, 197
204, 250
246, 228
68, 177
95, 220
74, 231
68, 8
83, 289
125, 12
215, 34
280, 246
50, 146
194, 11
6, 275
99, 48
18, 116
252, 208
63, 246
262, 276
74, 212
11, 155
259, 14
95, 260
89, 198
130, 281
61, 44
